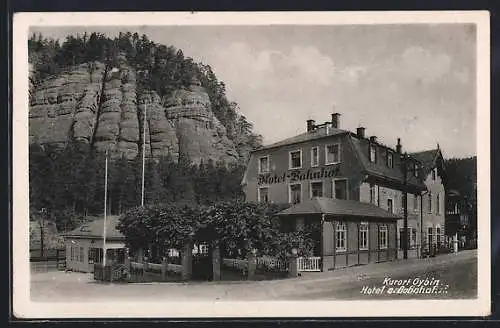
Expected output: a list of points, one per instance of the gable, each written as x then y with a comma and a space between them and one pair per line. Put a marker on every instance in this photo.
379, 169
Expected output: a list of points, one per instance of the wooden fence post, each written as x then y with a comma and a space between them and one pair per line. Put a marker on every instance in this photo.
144, 268
187, 260
293, 268
164, 269
252, 265
216, 262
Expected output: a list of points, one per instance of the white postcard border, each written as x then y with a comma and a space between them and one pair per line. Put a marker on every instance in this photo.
24, 308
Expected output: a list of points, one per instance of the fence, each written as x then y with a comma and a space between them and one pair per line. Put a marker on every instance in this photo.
309, 264
272, 263
236, 264
262, 263
50, 260
149, 272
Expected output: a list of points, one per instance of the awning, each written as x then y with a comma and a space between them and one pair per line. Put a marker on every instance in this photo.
338, 207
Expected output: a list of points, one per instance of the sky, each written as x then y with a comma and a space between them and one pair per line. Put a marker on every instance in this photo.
408, 81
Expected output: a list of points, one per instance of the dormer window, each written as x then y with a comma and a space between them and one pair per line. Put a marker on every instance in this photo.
85, 228
433, 174
264, 164
390, 159
415, 169
373, 153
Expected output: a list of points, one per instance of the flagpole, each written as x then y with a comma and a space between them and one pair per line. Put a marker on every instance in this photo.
105, 208
143, 151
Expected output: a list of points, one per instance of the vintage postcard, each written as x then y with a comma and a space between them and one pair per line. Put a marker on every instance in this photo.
186, 165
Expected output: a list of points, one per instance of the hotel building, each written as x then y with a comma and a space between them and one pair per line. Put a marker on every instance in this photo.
329, 162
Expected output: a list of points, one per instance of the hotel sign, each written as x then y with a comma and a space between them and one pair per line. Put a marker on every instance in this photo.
298, 175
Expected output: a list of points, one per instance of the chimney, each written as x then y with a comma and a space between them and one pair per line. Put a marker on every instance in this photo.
310, 125
336, 120
360, 132
398, 146
373, 139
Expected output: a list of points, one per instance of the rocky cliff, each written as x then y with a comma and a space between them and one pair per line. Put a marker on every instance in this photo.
104, 107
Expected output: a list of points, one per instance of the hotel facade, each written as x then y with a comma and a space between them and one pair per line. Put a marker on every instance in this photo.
352, 170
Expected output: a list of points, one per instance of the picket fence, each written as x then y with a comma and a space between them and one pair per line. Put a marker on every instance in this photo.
309, 264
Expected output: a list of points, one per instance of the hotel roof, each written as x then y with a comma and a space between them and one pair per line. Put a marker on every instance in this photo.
306, 136
338, 207
380, 168
428, 159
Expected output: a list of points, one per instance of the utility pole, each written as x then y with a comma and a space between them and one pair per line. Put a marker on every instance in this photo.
143, 151
105, 211
42, 233
405, 208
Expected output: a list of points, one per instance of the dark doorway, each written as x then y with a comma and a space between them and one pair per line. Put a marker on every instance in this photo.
202, 262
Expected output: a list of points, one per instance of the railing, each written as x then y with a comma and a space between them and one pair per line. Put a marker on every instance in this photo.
120, 271
267, 263
174, 268
272, 263
236, 263
309, 264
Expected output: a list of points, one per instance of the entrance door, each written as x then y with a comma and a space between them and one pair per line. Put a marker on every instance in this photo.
202, 262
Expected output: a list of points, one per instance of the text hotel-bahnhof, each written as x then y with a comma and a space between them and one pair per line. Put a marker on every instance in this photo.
358, 184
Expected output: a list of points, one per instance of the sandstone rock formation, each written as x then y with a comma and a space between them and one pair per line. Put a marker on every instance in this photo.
102, 106
200, 134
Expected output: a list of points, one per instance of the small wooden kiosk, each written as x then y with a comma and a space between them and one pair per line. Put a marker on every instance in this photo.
351, 232
85, 245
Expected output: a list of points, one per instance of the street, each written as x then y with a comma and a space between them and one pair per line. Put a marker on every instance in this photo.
445, 276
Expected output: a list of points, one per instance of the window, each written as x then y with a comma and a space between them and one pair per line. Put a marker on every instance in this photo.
72, 253
314, 156
430, 237
317, 189
263, 194
437, 204
383, 237
363, 236
295, 193
332, 154
415, 169
287, 225
172, 252
264, 164
373, 154
389, 206
372, 193
438, 236
413, 240
401, 240
295, 159
403, 201
412, 237
340, 234
430, 202
81, 254
95, 255
91, 255
390, 159
340, 189
415, 202
433, 174
200, 249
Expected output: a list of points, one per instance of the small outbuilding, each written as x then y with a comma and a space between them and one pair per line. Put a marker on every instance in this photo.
85, 245
347, 232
